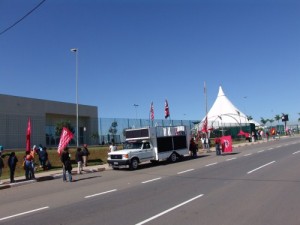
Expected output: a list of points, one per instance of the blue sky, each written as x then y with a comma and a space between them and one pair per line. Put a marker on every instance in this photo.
139, 51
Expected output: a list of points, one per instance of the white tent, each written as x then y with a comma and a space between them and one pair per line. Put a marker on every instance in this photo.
224, 113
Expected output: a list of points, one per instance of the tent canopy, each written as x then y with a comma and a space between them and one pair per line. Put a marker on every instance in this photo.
223, 113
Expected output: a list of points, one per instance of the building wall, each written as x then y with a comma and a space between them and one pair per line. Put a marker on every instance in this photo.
44, 114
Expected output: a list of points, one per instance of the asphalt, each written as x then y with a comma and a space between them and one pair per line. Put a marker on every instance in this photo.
56, 174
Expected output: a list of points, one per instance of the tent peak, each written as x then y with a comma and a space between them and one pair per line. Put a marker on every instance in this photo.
221, 92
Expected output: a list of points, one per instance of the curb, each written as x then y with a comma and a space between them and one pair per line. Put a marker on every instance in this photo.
48, 177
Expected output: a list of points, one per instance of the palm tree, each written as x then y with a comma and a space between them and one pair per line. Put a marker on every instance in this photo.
263, 121
277, 118
299, 118
250, 118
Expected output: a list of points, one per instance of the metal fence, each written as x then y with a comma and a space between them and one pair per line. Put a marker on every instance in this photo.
92, 131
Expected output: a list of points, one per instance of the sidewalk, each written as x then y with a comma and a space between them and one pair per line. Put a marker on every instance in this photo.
50, 175
55, 174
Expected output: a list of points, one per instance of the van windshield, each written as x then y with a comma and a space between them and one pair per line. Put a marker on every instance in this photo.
133, 145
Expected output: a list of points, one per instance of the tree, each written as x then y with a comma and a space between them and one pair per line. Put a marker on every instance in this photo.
271, 121
113, 128
263, 121
249, 118
299, 118
60, 125
277, 118
95, 136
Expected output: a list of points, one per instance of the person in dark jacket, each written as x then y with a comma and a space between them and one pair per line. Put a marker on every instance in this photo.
218, 146
85, 154
1, 165
12, 163
193, 148
43, 157
67, 166
79, 160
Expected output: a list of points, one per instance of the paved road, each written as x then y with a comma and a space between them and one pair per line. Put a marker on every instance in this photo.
258, 185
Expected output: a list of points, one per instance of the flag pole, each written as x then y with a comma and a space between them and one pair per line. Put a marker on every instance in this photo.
205, 94
206, 119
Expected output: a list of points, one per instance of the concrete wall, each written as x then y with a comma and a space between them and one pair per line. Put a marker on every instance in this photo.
15, 111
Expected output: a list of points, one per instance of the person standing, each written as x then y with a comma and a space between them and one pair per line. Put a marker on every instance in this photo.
79, 160
112, 147
43, 157
12, 163
29, 166
67, 165
1, 166
85, 154
193, 148
218, 146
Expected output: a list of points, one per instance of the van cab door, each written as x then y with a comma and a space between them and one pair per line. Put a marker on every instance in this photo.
147, 151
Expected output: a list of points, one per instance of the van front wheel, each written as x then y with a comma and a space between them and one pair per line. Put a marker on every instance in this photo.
134, 164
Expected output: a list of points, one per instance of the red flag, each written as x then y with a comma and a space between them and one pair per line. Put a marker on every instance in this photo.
167, 112
65, 137
204, 126
152, 111
28, 134
226, 143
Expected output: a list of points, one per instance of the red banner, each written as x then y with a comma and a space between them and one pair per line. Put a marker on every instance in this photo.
65, 137
28, 134
204, 126
226, 143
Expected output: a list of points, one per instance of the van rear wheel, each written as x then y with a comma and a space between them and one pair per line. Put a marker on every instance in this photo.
173, 157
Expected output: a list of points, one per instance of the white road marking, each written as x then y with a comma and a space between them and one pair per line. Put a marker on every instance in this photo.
270, 149
248, 154
102, 193
296, 152
260, 151
24, 213
211, 164
261, 167
168, 210
230, 159
185, 171
147, 181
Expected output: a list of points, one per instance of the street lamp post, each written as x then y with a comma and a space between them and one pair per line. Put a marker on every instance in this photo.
75, 50
135, 106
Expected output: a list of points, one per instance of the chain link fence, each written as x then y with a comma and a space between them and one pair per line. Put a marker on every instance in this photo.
92, 131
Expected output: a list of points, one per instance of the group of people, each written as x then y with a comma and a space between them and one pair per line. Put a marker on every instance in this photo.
205, 141
81, 158
29, 164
